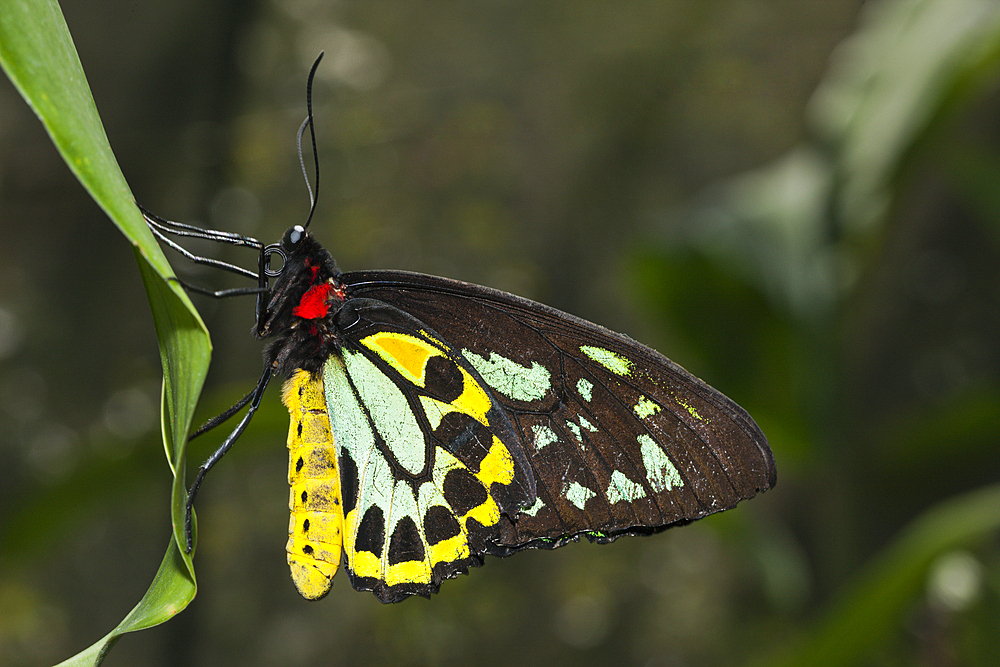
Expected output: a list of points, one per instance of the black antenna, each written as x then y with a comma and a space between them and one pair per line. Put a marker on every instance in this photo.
312, 133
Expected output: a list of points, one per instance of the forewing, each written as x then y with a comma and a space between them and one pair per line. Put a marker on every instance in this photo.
620, 439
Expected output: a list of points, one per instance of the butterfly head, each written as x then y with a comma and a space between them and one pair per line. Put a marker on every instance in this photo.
295, 247
292, 238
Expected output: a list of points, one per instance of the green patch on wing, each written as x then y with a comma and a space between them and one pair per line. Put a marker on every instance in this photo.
521, 383
613, 361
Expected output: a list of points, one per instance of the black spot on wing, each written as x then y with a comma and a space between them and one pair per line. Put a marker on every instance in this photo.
371, 532
348, 482
443, 379
464, 437
440, 524
463, 491
405, 544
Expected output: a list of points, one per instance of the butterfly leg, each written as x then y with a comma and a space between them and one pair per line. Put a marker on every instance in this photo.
160, 231
219, 419
254, 399
218, 294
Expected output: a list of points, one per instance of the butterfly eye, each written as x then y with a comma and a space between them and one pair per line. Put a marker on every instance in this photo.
293, 236
269, 252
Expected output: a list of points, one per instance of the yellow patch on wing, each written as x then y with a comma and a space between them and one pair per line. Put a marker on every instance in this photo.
408, 572
405, 353
497, 466
473, 401
409, 354
450, 550
366, 564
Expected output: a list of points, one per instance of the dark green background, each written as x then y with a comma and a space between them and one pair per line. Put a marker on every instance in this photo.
666, 169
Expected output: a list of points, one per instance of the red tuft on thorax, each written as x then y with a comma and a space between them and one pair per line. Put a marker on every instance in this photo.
314, 302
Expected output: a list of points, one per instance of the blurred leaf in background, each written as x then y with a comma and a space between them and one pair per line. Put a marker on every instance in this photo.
873, 245
794, 200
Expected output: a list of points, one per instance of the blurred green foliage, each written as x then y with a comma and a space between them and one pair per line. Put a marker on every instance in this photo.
796, 201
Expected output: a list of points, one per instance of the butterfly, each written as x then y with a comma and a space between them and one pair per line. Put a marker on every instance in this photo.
434, 422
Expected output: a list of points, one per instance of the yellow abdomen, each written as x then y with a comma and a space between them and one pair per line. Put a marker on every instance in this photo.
315, 528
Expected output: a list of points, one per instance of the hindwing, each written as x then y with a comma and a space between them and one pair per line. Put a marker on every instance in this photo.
430, 464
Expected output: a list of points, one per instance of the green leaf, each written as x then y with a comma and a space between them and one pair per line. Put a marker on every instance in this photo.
38, 55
